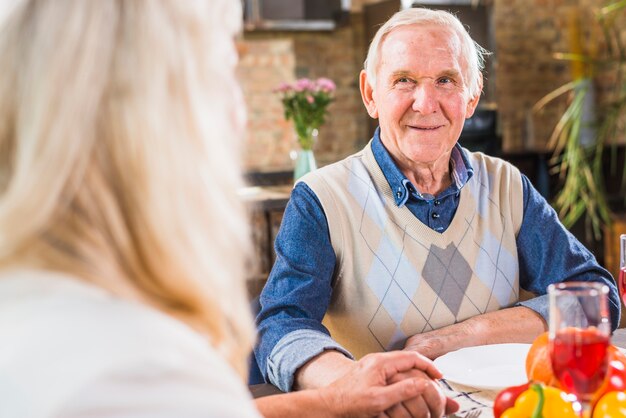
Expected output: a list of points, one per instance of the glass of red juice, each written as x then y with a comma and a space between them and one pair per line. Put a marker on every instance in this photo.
580, 332
622, 267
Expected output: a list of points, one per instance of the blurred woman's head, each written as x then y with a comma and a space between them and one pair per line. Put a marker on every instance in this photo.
120, 127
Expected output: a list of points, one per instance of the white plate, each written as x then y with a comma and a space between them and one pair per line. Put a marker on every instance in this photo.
494, 366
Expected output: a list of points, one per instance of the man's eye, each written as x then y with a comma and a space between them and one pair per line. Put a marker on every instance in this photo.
445, 80
403, 80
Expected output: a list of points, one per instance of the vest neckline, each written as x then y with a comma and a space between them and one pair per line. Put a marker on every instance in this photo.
464, 213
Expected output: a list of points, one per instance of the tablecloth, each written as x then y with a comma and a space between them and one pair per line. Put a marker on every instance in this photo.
470, 398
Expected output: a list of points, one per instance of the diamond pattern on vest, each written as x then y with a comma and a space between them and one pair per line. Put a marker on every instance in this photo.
364, 193
497, 274
413, 301
448, 273
394, 284
482, 192
378, 279
396, 319
407, 277
388, 253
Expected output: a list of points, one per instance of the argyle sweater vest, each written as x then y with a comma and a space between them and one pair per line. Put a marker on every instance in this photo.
394, 276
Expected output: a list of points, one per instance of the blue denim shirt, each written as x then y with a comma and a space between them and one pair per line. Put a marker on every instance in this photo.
298, 291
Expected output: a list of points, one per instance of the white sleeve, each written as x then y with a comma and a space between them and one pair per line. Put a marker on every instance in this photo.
142, 392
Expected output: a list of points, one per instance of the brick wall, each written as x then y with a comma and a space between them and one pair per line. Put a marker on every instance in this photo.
263, 65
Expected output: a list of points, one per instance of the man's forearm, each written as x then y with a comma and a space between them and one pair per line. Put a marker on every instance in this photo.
322, 370
511, 325
301, 404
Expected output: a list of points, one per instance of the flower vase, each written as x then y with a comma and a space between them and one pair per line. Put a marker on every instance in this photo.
304, 158
305, 162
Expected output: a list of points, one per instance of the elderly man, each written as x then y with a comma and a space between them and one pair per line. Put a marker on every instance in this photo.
413, 242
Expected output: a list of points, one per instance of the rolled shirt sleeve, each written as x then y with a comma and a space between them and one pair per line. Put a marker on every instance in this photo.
293, 351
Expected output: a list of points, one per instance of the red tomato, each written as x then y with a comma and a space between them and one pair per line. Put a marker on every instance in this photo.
506, 398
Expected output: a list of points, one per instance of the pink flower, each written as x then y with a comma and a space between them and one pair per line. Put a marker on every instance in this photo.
326, 85
304, 84
283, 88
305, 102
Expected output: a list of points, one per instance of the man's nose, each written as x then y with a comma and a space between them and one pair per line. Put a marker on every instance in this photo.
424, 99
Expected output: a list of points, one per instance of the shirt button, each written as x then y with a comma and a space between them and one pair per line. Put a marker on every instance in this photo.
435, 215
437, 202
399, 194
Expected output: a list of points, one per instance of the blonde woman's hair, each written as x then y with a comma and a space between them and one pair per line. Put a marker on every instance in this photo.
120, 129
473, 54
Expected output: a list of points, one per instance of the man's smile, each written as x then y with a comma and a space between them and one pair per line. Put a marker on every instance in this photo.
425, 127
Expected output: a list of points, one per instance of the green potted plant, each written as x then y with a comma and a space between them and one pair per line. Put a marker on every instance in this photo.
589, 126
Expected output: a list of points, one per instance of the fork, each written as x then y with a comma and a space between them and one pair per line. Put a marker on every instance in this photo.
471, 414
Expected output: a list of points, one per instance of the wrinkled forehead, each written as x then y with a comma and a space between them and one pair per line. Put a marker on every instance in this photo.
437, 36
428, 38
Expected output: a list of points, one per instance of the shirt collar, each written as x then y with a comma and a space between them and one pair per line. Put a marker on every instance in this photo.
462, 171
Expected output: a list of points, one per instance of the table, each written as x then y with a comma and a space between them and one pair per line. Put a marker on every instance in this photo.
470, 398
619, 338
266, 204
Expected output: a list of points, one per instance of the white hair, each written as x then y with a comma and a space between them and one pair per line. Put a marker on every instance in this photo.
472, 53
120, 136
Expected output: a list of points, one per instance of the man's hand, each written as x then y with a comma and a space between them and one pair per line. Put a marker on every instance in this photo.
395, 384
511, 325
428, 404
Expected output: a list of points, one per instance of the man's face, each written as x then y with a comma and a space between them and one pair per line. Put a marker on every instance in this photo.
420, 96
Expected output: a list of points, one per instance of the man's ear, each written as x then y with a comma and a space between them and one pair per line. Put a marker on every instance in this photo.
473, 102
367, 95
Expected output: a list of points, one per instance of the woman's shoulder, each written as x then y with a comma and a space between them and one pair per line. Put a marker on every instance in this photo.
72, 346
81, 313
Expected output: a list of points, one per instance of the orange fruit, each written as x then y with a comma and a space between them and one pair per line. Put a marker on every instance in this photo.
538, 363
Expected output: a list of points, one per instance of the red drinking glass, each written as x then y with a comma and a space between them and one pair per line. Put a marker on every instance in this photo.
580, 332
